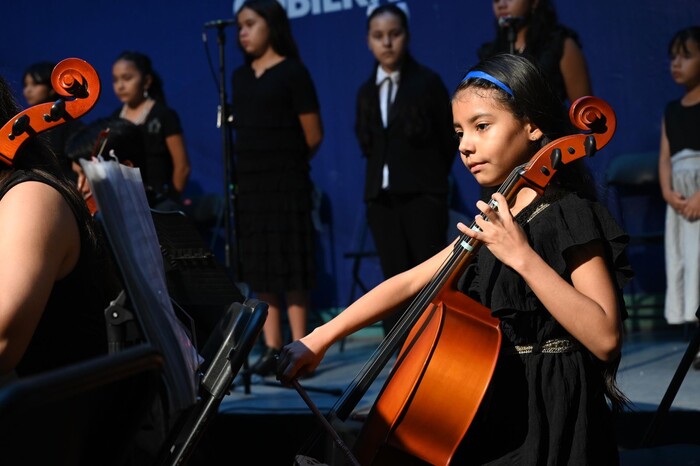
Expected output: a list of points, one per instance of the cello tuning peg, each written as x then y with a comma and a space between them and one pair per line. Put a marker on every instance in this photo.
20, 126
556, 159
57, 112
590, 146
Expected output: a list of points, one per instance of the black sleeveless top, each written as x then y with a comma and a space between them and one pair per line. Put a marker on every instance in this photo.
682, 126
72, 326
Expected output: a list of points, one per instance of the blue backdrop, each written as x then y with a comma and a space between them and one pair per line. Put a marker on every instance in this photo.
625, 44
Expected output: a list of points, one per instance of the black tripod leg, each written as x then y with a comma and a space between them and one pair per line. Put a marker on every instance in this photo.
673, 387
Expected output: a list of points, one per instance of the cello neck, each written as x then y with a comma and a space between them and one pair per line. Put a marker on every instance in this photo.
465, 249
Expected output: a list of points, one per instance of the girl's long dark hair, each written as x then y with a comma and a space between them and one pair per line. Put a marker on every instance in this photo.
142, 62
680, 39
394, 10
40, 73
281, 38
535, 101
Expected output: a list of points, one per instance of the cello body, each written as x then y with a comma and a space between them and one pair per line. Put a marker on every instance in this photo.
443, 370
411, 416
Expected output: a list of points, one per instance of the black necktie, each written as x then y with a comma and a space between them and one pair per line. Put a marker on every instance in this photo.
390, 89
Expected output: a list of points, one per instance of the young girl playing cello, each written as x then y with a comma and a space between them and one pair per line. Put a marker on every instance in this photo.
551, 272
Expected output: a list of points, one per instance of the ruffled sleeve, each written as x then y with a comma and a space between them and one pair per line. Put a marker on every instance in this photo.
560, 225
574, 221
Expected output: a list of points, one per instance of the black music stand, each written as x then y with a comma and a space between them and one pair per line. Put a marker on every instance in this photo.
194, 382
672, 390
196, 281
227, 349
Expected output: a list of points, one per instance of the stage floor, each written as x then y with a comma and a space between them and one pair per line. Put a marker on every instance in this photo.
273, 422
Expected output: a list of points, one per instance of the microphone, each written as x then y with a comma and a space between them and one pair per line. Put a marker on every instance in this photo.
220, 23
509, 21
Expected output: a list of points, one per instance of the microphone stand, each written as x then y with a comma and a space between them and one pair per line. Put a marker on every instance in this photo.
511, 25
511, 35
224, 122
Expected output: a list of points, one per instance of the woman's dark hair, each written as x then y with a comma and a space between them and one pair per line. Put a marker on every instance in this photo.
41, 74
541, 20
533, 98
536, 101
680, 39
143, 63
394, 10
275, 16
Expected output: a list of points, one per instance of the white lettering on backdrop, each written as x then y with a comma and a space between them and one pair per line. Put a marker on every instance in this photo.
300, 8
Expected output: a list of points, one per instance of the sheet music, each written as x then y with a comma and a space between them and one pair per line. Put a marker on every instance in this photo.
126, 217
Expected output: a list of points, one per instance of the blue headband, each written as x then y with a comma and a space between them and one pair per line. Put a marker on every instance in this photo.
489, 78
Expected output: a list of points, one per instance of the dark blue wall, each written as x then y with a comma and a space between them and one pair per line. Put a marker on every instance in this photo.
624, 42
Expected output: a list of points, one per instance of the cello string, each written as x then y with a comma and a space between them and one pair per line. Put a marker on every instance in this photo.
370, 370
436, 283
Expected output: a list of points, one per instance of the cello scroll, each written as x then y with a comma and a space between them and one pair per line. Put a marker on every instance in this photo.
78, 84
595, 118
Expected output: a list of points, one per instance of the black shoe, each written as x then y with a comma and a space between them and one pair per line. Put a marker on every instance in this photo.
267, 364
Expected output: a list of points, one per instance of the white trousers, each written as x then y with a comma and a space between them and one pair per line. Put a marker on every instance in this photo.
682, 244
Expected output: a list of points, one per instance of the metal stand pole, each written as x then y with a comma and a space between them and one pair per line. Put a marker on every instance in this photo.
223, 122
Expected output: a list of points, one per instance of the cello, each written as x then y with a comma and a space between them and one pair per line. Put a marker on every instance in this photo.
78, 84
430, 397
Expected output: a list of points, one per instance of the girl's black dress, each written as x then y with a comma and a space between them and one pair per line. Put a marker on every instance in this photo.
274, 229
543, 408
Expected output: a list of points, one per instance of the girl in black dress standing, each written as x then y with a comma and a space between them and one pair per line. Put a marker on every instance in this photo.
551, 271
167, 165
278, 130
